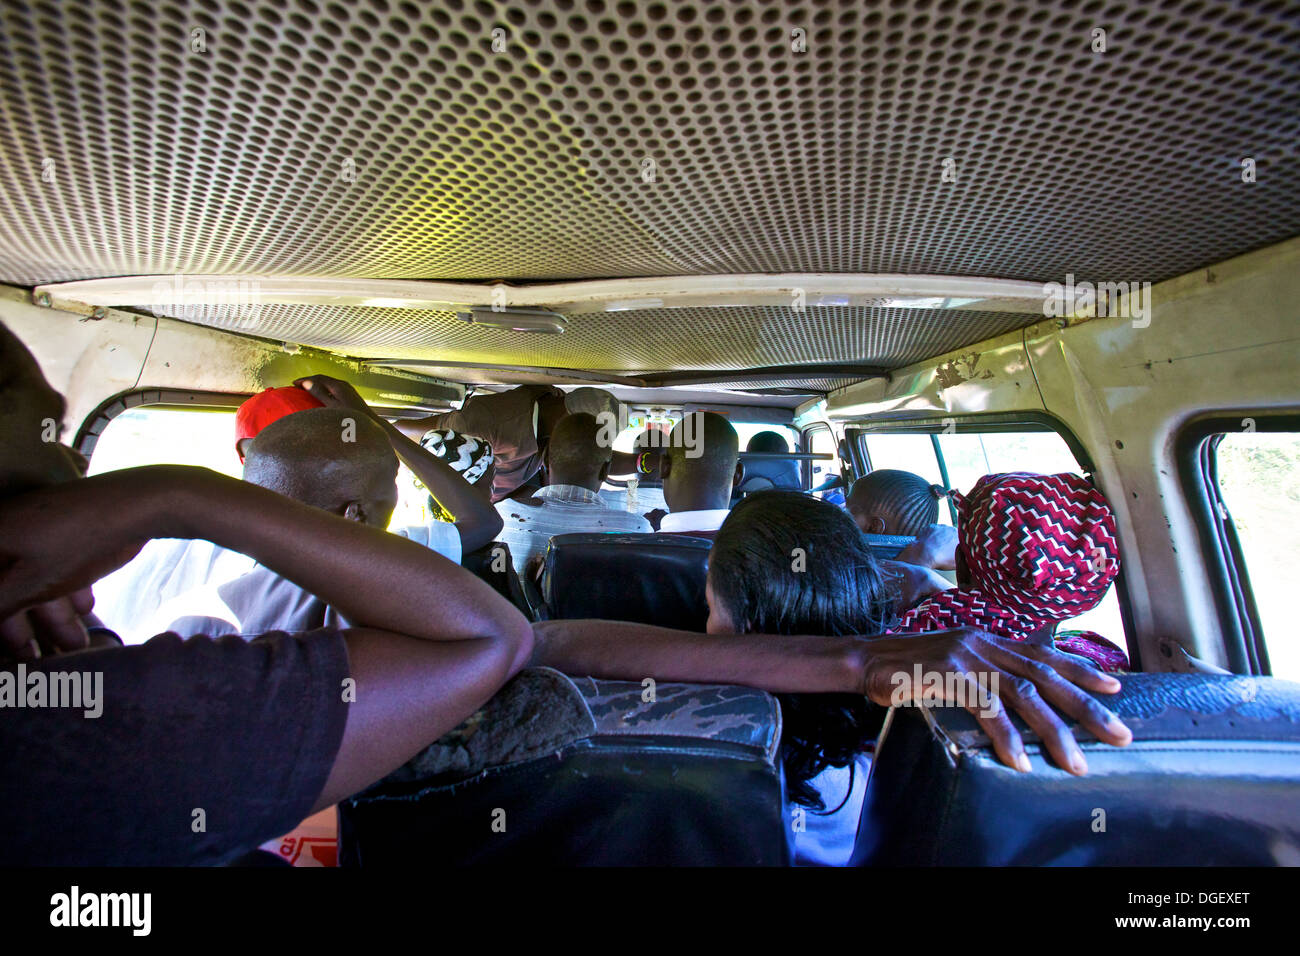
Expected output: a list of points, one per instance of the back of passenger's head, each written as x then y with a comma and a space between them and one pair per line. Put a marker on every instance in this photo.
31, 413
467, 455
888, 501
788, 563
267, 406
575, 455
329, 458
1042, 546
768, 443
652, 437
702, 463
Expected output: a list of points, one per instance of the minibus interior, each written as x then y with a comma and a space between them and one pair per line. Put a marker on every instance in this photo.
956, 239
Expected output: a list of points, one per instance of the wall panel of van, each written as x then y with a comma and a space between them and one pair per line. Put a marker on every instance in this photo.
90, 359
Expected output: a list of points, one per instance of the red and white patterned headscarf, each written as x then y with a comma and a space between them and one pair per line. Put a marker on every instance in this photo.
1038, 548
1041, 546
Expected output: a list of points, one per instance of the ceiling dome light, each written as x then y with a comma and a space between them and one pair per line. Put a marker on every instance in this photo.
516, 320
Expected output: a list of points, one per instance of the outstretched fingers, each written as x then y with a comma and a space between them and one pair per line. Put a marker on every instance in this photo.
1047, 672
987, 708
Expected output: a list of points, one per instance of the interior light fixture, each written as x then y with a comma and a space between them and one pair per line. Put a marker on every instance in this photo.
516, 320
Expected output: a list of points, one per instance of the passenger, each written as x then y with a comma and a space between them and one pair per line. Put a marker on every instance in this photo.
475, 520
576, 466
787, 564
269, 405
768, 475
469, 457
518, 424
648, 499
1033, 550
246, 738
340, 459
888, 501
893, 502
647, 447
700, 470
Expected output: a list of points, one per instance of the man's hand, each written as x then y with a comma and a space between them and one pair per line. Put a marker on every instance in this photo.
52, 627
47, 564
1029, 678
334, 393
935, 547
49, 552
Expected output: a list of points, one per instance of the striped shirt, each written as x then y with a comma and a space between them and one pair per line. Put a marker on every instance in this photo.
559, 509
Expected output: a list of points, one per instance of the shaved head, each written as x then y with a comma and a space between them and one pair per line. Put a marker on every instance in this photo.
330, 458
575, 455
702, 463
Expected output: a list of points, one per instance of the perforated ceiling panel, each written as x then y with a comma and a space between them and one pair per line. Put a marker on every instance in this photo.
630, 341
609, 139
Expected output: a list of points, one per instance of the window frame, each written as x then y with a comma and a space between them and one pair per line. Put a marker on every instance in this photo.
857, 433
98, 420
805, 439
1196, 457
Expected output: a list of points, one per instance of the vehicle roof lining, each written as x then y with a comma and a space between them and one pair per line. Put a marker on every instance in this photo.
619, 139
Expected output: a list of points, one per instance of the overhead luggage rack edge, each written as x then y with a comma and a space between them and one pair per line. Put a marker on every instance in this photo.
792, 290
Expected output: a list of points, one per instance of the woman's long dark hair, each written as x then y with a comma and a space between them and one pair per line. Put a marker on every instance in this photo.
786, 563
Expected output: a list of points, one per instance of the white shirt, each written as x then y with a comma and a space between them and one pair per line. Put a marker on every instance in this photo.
647, 499
560, 509
195, 587
827, 838
684, 522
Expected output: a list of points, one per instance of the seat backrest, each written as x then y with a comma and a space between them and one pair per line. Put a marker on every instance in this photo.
647, 578
765, 474
495, 565
1212, 778
555, 771
887, 546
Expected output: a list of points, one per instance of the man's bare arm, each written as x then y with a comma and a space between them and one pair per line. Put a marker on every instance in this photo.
416, 427
476, 519
408, 694
57, 540
1028, 676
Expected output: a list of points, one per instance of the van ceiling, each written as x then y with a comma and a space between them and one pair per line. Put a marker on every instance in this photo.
390, 140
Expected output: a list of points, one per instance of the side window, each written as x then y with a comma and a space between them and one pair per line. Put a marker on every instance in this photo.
163, 435
747, 430
969, 456
901, 451
964, 456
1259, 481
821, 441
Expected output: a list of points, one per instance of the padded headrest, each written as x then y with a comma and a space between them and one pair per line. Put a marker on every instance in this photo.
647, 578
541, 712
766, 474
887, 546
1212, 777
585, 772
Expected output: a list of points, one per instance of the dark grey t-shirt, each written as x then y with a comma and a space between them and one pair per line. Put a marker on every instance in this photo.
202, 749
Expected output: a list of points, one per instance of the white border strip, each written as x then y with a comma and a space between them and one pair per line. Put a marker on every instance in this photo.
811, 290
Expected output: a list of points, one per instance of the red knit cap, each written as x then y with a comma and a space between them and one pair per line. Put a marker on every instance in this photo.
269, 406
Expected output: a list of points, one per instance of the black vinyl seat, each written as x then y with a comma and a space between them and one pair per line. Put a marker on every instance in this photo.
560, 771
764, 475
1212, 778
647, 578
495, 565
887, 546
